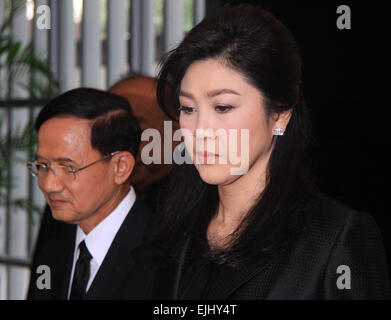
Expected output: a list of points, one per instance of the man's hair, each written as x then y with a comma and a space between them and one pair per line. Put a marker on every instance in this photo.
114, 126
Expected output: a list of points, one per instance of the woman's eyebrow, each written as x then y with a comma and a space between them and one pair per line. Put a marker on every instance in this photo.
210, 94
217, 92
186, 94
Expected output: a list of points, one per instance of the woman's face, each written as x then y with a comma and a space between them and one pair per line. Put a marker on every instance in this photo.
226, 129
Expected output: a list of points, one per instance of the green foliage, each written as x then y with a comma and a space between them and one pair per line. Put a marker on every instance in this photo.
21, 140
19, 61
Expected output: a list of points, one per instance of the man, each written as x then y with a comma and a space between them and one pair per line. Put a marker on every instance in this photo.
87, 144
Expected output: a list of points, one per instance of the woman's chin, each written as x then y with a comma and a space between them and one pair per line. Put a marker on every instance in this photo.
216, 174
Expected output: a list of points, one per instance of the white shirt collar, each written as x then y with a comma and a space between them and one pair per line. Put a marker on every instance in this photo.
99, 239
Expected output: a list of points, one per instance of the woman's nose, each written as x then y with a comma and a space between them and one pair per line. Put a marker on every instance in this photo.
205, 125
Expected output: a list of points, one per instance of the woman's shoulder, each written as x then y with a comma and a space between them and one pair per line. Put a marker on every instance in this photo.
332, 227
342, 238
327, 215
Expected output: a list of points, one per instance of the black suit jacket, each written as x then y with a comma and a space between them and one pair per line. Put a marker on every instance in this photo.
308, 269
124, 273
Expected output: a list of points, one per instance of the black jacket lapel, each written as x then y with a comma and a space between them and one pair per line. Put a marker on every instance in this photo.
119, 260
65, 267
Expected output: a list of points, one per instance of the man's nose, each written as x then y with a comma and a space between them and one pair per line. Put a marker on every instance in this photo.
50, 183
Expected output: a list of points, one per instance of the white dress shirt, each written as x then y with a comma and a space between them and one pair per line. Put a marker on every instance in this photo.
99, 239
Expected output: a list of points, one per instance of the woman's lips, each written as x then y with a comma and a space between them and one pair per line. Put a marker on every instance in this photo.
206, 157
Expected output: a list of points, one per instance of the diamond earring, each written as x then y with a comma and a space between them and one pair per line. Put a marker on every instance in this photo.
278, 131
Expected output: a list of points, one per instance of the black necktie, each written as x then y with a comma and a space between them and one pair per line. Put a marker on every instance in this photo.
82, 273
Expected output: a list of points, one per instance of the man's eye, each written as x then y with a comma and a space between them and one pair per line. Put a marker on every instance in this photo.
67, 168
223, 109
42, 166
186, 110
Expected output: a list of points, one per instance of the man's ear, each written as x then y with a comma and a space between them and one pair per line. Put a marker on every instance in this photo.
282, 118
124, 163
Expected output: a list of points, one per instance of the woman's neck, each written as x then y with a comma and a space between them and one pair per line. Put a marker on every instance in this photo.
235, 200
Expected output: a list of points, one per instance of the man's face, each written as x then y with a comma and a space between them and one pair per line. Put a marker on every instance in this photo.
90, 196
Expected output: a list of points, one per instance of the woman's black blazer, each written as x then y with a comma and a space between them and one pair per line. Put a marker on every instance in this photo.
340, 255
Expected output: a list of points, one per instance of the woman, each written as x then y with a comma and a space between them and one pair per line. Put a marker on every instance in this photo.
265, 233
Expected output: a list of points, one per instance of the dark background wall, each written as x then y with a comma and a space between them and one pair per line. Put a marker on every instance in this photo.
346, 88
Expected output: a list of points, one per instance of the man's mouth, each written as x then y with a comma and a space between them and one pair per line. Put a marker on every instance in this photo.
56, 202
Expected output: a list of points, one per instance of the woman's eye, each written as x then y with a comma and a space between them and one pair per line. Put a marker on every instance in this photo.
223, 109
186, 110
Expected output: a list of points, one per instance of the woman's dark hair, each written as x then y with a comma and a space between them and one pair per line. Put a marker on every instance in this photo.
114, 126
253, 42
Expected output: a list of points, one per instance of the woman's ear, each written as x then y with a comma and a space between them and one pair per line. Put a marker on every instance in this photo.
124, 163
281, 119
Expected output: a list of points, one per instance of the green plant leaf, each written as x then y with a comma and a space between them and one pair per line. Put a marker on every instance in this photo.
19, 60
